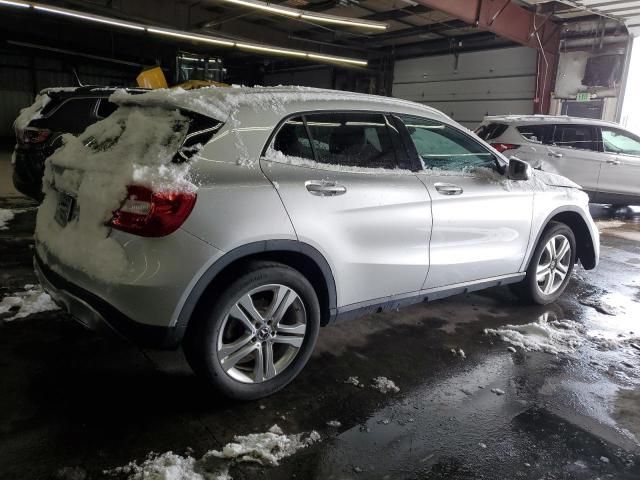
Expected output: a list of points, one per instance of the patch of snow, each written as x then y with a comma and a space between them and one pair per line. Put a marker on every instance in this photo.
6, 216
542, 335
355, 381
223, 103
606, 224
334, 424
604, 459
511, 349
32, 300
272, 155
264, 448
31, 112
384, 385
132, 146
482, 445
458, 353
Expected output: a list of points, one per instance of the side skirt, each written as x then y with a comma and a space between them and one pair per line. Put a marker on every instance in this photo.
395, 302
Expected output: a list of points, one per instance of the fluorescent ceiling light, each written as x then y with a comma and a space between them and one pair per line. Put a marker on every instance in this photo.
343, 21
267, 7
190, 36
314, 17
283, 51
337, 59
92, 18
14, 4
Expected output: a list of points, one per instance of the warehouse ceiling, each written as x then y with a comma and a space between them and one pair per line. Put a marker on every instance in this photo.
412, 30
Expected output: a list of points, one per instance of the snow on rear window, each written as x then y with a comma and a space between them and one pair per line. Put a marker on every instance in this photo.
32, 112
135, 145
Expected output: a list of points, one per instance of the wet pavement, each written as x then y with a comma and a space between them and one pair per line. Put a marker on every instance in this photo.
73, 399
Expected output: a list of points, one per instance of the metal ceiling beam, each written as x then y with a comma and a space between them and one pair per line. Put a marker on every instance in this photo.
509, 20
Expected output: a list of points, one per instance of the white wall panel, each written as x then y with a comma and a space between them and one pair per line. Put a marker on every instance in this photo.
471, 85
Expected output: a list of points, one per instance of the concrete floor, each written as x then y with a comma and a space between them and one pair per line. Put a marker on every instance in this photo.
73, 399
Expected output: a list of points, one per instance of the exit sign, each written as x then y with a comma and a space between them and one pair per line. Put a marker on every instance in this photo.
583, 97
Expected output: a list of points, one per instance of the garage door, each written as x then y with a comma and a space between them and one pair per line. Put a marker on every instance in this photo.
470, 85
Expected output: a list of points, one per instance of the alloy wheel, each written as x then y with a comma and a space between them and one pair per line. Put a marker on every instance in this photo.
262, 333
554, 264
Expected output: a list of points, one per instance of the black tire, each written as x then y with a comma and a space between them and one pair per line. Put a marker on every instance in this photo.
528, 290
201, 338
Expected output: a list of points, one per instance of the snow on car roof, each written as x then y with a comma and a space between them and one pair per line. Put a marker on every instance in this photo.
546, 118
220, 102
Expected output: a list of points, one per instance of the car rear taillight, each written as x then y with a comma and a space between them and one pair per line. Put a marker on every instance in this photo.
32, 135
153, 214
503, 147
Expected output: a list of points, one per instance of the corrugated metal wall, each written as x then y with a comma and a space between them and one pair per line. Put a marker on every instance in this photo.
21, 77
470, 85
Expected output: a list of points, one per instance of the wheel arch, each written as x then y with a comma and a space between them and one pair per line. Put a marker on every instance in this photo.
574, 219
301, 256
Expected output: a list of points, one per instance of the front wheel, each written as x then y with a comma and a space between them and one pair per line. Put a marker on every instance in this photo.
551, 266
258, 334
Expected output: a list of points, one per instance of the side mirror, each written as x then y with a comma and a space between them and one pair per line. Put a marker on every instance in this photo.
518, 170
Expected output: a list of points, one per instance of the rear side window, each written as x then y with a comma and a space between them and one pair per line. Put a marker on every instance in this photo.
491, 130
535, 133
443, 147
346, 139
580, 137
292, 139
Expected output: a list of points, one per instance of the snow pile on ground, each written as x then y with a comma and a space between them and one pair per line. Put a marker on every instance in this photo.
32, 112
169, 466
606, 224
133, 145
355, 381
266, 448
384, 385
6, 216
32, 300
553, 336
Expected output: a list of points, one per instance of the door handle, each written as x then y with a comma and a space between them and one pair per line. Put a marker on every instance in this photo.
555, 154
613, 162
448, 189
325, 189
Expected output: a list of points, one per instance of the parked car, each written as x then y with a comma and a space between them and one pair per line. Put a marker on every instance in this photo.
67, 110
311, 207
602, 157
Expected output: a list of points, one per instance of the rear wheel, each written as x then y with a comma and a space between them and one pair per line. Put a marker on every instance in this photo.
258, 334
551, 266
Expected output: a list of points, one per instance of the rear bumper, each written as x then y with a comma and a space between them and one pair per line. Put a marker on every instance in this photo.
96, 314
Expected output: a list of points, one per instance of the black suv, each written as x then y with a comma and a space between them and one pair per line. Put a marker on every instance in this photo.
68, 111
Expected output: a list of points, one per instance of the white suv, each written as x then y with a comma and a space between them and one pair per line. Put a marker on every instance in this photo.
602, 157
237, 221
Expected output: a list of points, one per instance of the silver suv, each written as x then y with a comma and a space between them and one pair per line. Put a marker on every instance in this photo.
309, 207
602, 157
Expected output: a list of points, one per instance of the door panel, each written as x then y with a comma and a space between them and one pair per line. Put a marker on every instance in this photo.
375, 235
338, 177
480, 227
621, 166
480, 233
574, 154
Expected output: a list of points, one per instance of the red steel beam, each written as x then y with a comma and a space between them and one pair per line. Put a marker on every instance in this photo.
509, 20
